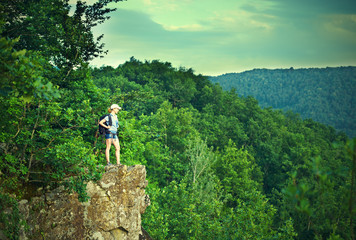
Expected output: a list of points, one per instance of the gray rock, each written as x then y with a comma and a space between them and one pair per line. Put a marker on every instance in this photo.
113, 211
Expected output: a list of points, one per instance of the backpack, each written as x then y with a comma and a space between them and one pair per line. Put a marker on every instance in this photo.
103, 130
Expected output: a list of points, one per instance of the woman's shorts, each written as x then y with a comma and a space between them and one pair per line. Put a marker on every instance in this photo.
110, 135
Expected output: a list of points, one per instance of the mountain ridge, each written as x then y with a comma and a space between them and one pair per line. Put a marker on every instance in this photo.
325, 95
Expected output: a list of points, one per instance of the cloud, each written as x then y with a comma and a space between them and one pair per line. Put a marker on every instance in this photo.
240, 22
132, 33
306, 9
153, 6
341, 23
188, 27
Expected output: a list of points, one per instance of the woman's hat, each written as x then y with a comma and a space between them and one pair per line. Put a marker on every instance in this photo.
115, 106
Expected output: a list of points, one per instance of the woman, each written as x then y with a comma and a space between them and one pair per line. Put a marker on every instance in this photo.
111, 134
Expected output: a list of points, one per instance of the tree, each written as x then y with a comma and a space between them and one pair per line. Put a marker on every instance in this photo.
238, 174
328, 194
46, 26
21, 74
47, 134
201, 159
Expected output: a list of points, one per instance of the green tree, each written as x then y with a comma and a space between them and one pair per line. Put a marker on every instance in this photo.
21, 74
258, 150
65, 39
42, 122
328, 195
238, 174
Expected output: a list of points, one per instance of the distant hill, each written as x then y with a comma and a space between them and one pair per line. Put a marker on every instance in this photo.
326, 95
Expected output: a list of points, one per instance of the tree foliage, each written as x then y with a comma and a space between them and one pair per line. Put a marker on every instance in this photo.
219, 165
47, 136
325, 95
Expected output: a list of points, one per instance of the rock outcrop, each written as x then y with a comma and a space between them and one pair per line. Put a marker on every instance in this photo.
113, 211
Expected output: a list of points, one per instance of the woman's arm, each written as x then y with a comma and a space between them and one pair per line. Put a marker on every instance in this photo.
102, 123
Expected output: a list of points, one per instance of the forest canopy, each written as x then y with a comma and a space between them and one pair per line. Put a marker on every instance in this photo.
326, 95
219, 166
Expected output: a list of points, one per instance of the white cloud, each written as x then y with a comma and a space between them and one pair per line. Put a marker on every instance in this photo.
240, 22
189, 27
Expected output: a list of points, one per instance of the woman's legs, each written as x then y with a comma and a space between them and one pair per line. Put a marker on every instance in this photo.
117, 150
116, 143
107, 150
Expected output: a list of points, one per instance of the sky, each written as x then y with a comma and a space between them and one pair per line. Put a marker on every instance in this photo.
217, 37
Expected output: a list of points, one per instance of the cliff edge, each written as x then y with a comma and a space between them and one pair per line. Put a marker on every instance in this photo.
112, 212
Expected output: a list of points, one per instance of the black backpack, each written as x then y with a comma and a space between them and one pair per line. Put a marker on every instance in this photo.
103, 130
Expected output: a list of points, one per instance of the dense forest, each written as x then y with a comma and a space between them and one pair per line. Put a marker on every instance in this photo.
326, 95
219, 166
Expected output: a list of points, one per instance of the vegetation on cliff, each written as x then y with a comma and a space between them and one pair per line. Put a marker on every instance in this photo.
219, 166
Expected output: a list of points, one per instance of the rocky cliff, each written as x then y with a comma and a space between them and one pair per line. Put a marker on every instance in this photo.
113, 211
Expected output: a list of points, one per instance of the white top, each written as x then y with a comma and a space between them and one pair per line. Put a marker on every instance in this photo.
115, 123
